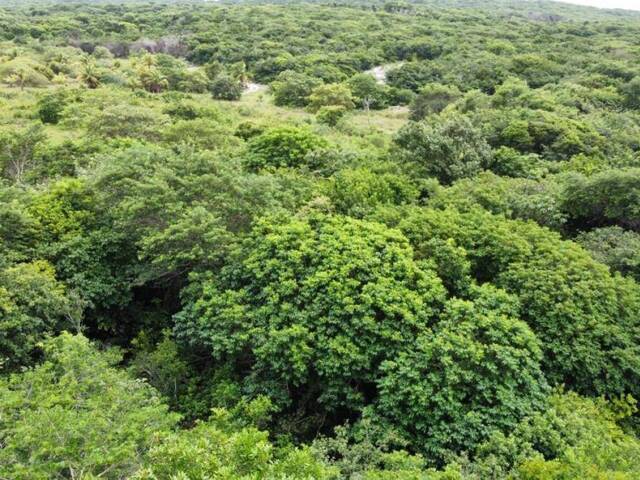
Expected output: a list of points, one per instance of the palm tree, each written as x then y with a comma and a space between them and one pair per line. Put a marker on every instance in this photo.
89, 75
149, 60
152, 79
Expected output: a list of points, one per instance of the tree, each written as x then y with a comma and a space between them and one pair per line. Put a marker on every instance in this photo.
413, 75
575, 437
195, 81
293, 89
312, 306
631, 93
608, 198
331, 114
50, 106
368, 450
283, 147
201, 133
211, 450
617, 248
585, 318
448, 149
334, 94
19, 78
509, 162
18, 151
152, 79
90, 256
77, 416
225, 87
33, 304
177, 208
515, 198
90, 75
357, 192
213, 69
476, 372
238, 71
537, 70
367, 93
20, 232
432, 98
130, 121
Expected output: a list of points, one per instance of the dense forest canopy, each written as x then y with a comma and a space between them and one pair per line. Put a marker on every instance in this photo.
369, 240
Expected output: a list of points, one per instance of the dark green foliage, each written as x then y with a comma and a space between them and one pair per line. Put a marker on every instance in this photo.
535, 69
184, 111
414, 75
293, 88
33, 304
87, 254
50, 106
419, 48
617, 248
225, 87
432, 98
313, 306
631, 93
586, 319
181, 209
247, 130
448, 150
511, 163
368, 450
608, 198
477, 371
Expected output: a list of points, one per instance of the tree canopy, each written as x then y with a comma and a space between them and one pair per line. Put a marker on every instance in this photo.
277, 240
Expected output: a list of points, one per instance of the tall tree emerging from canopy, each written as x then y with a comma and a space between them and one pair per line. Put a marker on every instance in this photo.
313, 305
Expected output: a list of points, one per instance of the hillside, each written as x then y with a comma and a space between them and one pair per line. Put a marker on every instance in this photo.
319, 240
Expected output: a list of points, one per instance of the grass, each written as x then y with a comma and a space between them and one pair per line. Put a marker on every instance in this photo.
371, 130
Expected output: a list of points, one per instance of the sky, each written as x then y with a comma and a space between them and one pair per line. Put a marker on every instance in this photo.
628, 4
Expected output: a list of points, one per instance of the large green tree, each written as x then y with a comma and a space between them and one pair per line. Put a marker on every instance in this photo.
586, 318
76, 416
477, 371
312, 306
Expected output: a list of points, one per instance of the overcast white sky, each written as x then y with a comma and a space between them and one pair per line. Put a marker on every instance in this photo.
628, 4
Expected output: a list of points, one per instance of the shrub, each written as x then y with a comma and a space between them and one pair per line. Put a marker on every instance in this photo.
293, 88
448, 149
331, 115
225, 87
282, 147
333, 94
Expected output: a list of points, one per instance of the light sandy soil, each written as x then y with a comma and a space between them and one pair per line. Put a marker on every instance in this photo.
254, 87
380, 72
